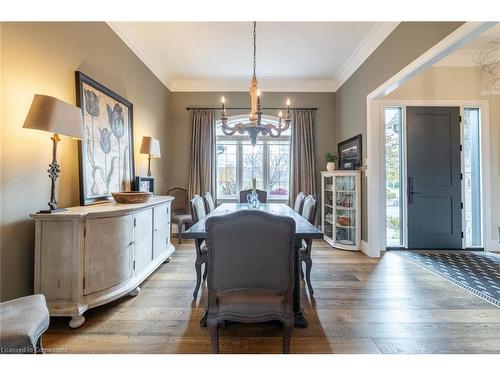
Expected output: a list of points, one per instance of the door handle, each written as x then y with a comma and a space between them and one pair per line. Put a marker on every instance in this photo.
411, 193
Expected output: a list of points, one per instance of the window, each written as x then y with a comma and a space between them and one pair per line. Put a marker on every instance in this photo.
237, 161
472, 177
393, 117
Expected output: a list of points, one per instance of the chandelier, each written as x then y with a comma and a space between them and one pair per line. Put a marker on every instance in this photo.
255, 126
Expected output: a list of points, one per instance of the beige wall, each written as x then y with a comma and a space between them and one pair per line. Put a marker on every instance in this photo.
179, 131
408, 41
461, 84
42, 58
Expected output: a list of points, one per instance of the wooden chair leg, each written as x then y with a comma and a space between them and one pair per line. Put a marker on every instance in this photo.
179, 230
301, 271
197, 266
205, 273
287, 336
308, 276
213, 330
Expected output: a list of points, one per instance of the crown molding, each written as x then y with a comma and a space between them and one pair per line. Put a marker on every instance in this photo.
370, 43
269, 85
374, 38
137, 48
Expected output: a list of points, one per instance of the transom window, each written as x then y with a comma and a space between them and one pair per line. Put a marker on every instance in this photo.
237, 161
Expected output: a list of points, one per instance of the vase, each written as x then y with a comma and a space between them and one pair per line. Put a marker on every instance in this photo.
330, 166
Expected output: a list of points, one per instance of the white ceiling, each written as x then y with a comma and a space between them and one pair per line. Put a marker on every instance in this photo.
217, 56
464, 57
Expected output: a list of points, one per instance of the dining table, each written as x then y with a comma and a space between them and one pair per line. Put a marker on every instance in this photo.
304, 230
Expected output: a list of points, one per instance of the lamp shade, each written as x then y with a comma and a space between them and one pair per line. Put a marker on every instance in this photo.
150, 146
53, 115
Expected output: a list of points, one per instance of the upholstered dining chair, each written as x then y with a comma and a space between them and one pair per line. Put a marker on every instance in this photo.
308, 213
180, 214
209, 202
198, 212
260, 193
299, 202
250, 272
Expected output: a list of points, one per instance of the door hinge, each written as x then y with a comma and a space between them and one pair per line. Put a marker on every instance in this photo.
461, 148
84, 231
461, 176
460, 119
462, 205
462, 234
135, 222
133, 265
84, 283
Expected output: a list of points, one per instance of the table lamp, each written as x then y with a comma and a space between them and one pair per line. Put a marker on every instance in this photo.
58, 117
151, 147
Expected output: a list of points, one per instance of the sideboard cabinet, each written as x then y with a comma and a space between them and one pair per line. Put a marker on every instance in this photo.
89, 256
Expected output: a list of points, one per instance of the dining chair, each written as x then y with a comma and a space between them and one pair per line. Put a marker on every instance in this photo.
198, 212
299, 202
308, 213
209, 202
261, 194
250, 272
180, 214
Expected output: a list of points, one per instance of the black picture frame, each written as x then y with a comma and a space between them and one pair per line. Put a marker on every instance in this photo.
140, 180
101, 192
351, 153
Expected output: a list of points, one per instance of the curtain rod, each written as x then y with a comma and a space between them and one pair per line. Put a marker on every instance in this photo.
248, 108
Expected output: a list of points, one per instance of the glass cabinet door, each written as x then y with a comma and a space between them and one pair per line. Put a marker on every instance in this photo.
345, 212
329, 221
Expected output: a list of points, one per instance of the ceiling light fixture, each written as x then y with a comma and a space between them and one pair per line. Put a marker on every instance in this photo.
255, 125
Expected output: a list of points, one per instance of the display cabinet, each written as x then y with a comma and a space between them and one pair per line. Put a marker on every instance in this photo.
341, 208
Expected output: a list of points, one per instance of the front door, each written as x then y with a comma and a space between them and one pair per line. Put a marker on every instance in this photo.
434, 178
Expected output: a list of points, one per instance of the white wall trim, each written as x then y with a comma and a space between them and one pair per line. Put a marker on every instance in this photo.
364, 247
375, 148
370, 43
137, 48
243, 85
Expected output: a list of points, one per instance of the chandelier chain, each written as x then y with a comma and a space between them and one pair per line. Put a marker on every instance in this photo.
254, 46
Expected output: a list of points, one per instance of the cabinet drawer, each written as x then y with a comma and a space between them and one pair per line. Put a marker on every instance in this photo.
108, 252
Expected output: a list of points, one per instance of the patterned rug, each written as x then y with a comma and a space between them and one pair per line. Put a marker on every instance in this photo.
478, 272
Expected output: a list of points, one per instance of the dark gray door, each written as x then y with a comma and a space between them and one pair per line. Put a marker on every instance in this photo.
434, 178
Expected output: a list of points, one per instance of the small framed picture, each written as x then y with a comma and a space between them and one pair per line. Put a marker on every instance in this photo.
350, 153
145, 184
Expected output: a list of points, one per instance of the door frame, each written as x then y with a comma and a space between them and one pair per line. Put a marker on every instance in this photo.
375, 171
485, 162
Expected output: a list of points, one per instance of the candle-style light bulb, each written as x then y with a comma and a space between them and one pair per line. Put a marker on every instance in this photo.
258, 100
280, 114
223, 101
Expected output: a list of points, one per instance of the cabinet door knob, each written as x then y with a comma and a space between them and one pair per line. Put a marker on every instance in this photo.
130, 244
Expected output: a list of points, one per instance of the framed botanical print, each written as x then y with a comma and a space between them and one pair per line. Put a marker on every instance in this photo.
351, 153
145, 184
106, 153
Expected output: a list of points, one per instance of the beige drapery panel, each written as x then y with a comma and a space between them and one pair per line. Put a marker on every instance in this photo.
202, 155
303, 165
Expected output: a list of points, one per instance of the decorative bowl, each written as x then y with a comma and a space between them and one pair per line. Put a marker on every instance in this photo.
128, 197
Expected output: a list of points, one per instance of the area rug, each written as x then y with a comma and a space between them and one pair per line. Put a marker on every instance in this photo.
478, 272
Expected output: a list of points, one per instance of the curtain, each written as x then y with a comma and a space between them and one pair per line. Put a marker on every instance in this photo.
202, 156
303, 165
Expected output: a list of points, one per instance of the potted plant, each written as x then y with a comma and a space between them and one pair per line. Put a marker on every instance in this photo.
331, 161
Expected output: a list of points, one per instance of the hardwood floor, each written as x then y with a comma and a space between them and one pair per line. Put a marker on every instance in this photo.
361, 305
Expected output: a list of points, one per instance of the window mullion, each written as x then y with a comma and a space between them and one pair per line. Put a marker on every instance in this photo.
239, 163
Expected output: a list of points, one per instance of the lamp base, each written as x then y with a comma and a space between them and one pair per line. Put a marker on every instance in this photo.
52, 211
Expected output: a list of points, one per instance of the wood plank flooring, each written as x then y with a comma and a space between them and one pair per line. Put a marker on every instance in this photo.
361, 305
